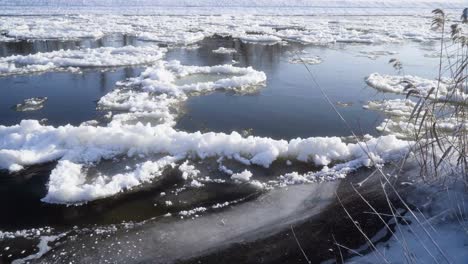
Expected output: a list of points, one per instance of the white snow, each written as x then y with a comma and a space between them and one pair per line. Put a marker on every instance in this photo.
397, 84
393, 107
64, 59
188, 171
162, 78
223, 50
242, 176
31, 104
32, 143
193, 211
67, 183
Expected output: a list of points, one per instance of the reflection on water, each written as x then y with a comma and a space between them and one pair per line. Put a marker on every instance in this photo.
25, 47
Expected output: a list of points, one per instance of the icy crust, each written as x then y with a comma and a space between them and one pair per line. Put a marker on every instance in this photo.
32, 143
185, 30
73, 59
421, 87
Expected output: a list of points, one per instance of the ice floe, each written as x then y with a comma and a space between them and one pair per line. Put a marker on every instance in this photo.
31, 104
73, 59
242, 176
223, 50
31, 143
67, 182
418, 86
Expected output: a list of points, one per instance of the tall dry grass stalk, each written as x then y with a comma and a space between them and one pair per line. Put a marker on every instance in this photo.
442, 150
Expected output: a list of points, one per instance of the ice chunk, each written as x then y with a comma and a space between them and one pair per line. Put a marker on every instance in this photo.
31, 104
242, 176
421, 87
222, 50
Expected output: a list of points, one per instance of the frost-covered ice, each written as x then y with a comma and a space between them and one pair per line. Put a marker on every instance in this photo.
223, 50
31, 104
72, 59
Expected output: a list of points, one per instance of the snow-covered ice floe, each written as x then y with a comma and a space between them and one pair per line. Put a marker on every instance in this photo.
400, 123
73, 60
78, 147
223, 50
432, 89
31, 104
154, 95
